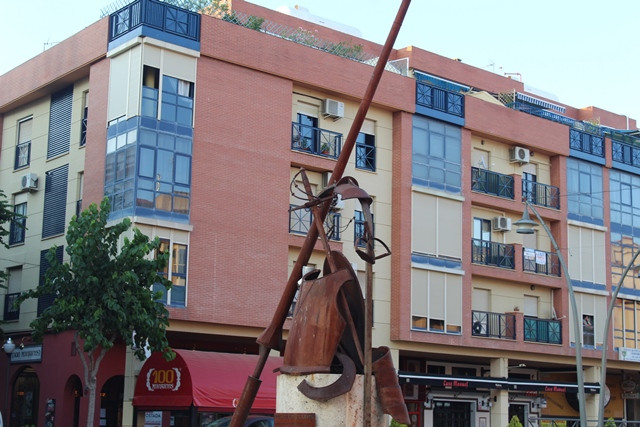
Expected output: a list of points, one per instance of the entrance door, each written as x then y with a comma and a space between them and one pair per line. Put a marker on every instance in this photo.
452, 414
519, 410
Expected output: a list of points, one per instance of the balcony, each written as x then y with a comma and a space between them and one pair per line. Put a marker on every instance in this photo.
492, 253
488, 182
439, 103
541, 194
542, 330
625, 152
154, 16
301, 219
11, 312
540, 262
493, 325
314, 140
588, 143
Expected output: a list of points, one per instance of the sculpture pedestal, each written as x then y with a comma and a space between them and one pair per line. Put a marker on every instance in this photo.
344, 410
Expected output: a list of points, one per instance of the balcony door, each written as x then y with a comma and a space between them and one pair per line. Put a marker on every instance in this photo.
481, 240
307, 125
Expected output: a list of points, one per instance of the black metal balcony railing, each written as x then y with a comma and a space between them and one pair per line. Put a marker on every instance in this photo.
540, 262
11, 312
492, 253
315, 140
439, 99
542, 330
300, 219
366, 157
494, 325
541, 194
154, 14
586, 142
488, 182
625, 152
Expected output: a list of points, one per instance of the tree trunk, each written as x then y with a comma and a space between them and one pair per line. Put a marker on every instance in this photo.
91, 388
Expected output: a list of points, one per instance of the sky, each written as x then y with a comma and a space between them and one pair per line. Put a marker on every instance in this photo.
583, 53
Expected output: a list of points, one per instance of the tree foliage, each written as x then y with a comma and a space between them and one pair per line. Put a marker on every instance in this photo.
104, 292
6, 216
207, 7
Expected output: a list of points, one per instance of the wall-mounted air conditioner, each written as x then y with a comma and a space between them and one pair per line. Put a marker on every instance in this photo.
332, 108
501, 223
29, 182
519, 155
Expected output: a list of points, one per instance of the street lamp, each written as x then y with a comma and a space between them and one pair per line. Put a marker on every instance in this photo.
525, 226
8, 348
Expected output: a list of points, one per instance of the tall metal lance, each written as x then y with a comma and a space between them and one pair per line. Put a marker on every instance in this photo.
271, 337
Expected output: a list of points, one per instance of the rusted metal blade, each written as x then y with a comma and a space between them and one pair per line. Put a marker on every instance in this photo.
341, 386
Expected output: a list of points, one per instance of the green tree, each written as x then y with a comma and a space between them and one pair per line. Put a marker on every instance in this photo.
103, 293
208, 7
515, 422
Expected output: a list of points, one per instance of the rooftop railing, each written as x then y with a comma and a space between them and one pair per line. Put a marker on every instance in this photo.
154, 14
439, 99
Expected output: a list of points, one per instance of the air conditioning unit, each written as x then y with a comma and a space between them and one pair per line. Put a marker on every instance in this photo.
332, 108
519, 155
339, 203
501, 223
29, 182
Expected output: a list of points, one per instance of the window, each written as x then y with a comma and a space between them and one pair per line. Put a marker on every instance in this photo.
85, 116
626, 324
80, 188
23, 148
366, 151
176, 272
529, 186
60, 122
305, 135
436, 301
584, 191
359, 228
177, 101
150, 85
481, 240
45, 301
18, 224
587, 330
437, 155
55, 201
11, 312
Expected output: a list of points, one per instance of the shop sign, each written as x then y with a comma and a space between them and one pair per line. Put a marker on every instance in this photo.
631, 395
629, 354
153, 418
163, 379
29, 354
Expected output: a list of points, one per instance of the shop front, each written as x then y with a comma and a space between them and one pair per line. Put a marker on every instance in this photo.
446, 400
199, 387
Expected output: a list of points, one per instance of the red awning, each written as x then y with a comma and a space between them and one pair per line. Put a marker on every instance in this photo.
206, 380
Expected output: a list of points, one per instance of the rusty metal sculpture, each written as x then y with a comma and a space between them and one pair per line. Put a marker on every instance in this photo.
271, 338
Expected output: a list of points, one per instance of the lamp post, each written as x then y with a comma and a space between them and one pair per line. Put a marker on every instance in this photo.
8, 348
525, 226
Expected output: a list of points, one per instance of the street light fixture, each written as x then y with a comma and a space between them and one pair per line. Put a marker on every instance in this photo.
525, 226
8, 348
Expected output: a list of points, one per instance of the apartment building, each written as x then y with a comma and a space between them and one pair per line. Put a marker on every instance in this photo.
196, 128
